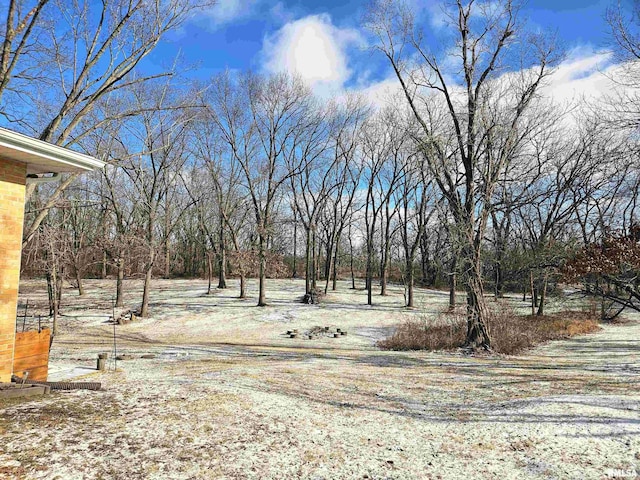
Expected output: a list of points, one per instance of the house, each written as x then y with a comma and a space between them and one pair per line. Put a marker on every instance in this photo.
23, 160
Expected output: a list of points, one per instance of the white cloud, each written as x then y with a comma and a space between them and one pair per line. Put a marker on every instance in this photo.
585, 74
280, 13
436, 14
382, 93
582, 74
313, 48
226, 11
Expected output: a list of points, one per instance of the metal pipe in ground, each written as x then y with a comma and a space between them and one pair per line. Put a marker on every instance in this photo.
102, 361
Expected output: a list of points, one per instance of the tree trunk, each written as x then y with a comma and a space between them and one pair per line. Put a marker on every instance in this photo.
499, 279
209, 272
334, 285
353, 277
543, 294
50, 293
103, 273
222, 262
533, 293
167, 259
307, 264
144, 309
386, 251
477, 315
243, 288
54, 330
167, 252
381, 253
79, 281
54, 298
477, 312
453, 284
294, 274
59, 279
262, 302
409, 277
328, 270
383, 271
328, 257
119, 282
315, 264
369, 274
424, 260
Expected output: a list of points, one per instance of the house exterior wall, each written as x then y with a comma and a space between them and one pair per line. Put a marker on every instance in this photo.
12, 193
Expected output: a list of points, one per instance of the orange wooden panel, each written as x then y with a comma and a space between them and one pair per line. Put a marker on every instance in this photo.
36, 374
33, 336
26, 363
32, 354
30, 349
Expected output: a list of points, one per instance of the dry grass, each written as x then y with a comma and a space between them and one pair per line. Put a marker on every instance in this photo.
513, 333
424, 335
510, 333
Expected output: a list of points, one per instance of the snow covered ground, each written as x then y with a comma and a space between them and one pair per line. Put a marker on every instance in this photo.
228, 395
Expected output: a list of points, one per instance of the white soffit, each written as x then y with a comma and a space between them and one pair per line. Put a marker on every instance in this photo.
43, 157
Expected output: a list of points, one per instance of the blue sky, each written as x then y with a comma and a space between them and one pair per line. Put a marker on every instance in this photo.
261, 35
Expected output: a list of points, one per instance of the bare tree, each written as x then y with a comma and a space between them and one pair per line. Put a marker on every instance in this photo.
122, 208
221, 197
340, 203
568, 170
91, 51
486, 36
159, 140
310, 191
381, 148
625, 30
82, 228
21, 24
414, 196
264, 121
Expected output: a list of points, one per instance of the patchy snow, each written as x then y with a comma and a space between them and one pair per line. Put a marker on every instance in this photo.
228, 395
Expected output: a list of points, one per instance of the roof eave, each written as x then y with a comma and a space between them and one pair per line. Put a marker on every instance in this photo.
65, 160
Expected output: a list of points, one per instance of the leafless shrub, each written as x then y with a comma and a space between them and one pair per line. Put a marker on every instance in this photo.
511, 333
514, 333
248, 262
446, 332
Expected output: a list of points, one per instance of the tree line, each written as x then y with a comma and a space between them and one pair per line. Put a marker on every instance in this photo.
469, 177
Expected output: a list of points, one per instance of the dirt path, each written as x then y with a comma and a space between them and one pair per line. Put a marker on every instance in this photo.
272, 409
